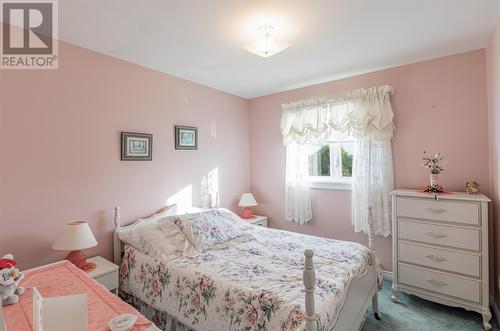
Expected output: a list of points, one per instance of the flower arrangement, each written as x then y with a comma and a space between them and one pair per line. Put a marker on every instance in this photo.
433, 163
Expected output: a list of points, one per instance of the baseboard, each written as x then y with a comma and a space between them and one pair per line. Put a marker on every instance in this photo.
494, 308
387, 275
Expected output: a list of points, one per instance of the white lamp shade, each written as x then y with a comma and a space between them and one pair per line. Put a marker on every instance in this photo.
247, 200
76, 235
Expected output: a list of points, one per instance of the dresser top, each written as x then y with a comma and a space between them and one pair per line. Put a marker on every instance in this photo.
447, 196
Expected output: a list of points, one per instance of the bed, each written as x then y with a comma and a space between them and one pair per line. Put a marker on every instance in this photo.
263, 279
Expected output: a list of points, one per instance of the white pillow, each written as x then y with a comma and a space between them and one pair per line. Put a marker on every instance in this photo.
153, 240
172, 231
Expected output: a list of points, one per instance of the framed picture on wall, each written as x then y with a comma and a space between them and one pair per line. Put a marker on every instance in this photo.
186, 137
137, 146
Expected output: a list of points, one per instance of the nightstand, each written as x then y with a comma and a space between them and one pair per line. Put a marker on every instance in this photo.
258, 220
105, 273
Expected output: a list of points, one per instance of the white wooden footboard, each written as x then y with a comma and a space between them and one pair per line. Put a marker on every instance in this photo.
309, 280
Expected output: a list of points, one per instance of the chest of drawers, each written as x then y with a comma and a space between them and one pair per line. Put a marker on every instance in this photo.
440, 248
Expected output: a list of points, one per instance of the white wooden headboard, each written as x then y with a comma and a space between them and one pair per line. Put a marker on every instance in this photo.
117, 243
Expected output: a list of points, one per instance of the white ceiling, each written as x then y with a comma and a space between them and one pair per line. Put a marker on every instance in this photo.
201, 40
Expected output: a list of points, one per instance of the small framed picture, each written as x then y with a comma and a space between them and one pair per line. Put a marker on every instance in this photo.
137, 146
186, 137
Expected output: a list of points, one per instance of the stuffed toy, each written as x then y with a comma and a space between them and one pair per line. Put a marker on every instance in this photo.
9, 279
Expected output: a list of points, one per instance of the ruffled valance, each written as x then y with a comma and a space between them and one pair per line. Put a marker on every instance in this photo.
358, 114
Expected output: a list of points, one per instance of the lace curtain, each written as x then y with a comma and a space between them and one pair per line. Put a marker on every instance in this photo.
297, 194
364, 115
372, 181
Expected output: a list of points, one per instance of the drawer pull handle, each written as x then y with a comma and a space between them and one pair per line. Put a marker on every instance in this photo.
437, 235
436, 283
436, 210
436, 258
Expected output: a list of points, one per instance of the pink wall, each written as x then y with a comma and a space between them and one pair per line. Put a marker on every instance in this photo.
60, 148
439, 105
493, 78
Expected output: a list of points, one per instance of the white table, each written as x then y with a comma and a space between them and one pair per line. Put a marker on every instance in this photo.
257, 220
105, 273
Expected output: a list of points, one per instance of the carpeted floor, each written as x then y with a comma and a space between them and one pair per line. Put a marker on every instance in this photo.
412, 313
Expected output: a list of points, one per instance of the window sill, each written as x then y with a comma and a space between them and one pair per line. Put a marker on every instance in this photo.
331, 185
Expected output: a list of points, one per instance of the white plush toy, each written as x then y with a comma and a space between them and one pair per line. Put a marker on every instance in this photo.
9, 279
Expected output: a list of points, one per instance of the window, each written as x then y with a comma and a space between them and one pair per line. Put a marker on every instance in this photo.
330, 165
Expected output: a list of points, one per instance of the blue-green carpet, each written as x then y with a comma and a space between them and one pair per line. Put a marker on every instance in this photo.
415, 314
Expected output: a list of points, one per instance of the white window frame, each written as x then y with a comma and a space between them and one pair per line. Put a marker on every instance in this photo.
337, 181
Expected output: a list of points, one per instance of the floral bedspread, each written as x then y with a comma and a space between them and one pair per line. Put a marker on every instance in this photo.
253, 282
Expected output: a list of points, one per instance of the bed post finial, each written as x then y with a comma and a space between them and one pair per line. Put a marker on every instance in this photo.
116, 218
117, 247
309, 279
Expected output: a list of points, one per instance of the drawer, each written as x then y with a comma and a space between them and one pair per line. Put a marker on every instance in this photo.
110, 281
444, 283
447, 260
440, 234
261, 223
439, 210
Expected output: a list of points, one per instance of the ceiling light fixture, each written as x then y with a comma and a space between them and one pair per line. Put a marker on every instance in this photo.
267, 44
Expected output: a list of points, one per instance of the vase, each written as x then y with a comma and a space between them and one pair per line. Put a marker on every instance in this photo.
434, 180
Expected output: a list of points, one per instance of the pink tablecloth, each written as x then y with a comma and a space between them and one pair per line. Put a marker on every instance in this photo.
65, 279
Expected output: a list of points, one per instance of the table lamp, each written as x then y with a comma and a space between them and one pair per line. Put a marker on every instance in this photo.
76, 236
247, 200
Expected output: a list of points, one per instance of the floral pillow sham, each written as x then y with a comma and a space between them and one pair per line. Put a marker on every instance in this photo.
209, 228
